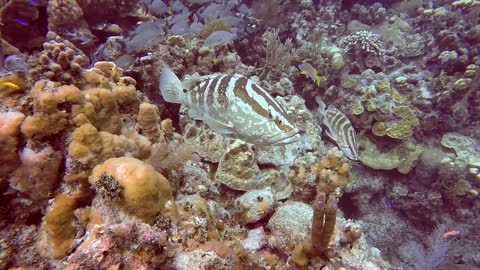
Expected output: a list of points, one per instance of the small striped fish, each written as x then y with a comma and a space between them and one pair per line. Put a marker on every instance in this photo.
340, 129
232, 105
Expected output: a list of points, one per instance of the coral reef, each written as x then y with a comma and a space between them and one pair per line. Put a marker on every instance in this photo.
100, 172
237, 168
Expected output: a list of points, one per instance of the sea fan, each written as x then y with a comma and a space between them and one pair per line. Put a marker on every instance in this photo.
436, 253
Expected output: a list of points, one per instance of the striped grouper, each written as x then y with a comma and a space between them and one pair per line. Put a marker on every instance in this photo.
233, 106
340, 129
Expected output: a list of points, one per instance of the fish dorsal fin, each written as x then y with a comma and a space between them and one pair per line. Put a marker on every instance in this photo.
193, 80
219, 127
321, 105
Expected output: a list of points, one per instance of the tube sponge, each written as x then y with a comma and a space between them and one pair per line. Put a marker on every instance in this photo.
145, 193
323, 225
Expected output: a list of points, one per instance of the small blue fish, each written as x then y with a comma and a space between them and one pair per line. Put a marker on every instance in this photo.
35, 2
21, 21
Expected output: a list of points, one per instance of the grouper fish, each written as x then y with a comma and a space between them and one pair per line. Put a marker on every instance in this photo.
232, 105
340, 129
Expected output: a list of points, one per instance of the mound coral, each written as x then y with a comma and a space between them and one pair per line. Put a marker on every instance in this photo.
145, 192
237, 168
399, 156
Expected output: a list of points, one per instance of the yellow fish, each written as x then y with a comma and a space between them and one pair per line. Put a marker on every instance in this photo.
10, 85
8, 88
310, 72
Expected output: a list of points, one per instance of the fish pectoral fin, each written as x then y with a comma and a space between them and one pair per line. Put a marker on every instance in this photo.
330, 135
219, 127
194, 114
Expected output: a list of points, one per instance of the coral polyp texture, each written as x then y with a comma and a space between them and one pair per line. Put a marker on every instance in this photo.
234, 134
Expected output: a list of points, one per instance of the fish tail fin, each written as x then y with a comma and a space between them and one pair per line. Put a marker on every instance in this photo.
170, 86
321, 105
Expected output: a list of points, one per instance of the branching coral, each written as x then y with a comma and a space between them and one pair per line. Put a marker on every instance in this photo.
90, 146
105, 74
102, 111
364, 42
333, 171
149, 121
278, 54
60, 61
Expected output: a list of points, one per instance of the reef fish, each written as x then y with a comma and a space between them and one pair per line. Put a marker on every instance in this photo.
10, 85
310, 72
340, 129
233, 106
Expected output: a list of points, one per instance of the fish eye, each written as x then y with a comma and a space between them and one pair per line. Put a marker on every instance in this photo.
184, 90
